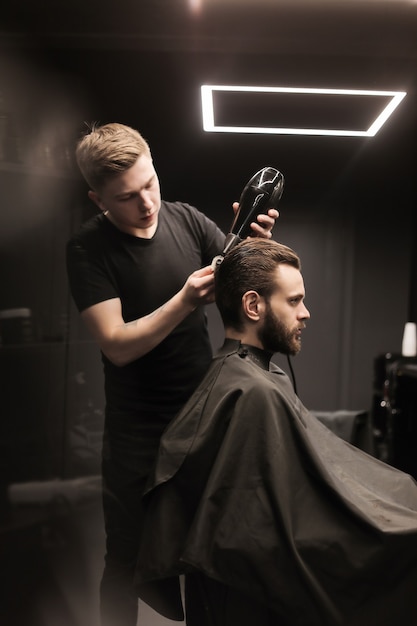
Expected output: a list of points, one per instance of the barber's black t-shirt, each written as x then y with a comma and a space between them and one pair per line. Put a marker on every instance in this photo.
105, 263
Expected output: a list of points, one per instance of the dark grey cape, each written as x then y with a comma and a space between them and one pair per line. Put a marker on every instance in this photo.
250, 489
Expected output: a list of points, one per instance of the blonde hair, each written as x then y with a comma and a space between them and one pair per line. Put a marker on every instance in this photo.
108, 150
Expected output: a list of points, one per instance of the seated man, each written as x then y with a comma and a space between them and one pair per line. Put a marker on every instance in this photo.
273, 519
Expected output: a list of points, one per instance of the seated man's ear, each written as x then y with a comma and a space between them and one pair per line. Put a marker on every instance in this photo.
253, 306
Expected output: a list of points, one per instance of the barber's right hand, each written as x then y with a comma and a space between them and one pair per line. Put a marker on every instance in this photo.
199, 287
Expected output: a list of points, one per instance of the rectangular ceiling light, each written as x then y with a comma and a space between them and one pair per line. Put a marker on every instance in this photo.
285, 103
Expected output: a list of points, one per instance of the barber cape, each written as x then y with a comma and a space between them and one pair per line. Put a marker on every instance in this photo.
250, 489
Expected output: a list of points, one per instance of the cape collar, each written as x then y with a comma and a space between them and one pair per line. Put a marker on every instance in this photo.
262, 358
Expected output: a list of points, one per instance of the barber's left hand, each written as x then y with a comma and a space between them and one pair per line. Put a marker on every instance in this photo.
264, 224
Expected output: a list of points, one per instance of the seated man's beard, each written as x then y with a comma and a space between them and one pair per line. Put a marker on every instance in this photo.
276, 337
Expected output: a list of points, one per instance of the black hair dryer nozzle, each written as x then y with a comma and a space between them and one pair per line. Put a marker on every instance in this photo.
262, 192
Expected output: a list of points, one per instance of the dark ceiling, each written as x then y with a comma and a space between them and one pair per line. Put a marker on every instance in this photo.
372, 28
142, 61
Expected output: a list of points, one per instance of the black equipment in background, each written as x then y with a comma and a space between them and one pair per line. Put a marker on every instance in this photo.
395, 411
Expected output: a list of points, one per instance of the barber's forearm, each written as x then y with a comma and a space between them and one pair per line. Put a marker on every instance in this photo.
123, 342
134, 339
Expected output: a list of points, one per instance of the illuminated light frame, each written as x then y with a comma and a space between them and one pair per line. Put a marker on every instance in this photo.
209, 123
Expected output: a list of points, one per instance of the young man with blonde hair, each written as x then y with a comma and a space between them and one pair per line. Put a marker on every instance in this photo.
140, 274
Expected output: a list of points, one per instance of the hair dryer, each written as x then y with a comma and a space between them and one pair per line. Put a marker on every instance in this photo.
262, 192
